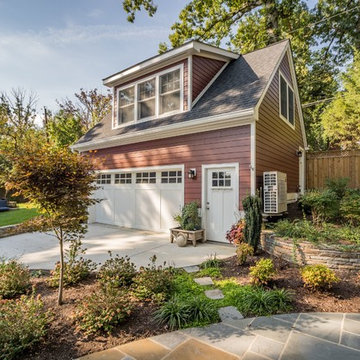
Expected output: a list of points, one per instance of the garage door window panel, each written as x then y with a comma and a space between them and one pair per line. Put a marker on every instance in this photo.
146, 178
171, 177
123, 178
103, 179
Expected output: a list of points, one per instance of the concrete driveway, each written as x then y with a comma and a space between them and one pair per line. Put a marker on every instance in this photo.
41, 251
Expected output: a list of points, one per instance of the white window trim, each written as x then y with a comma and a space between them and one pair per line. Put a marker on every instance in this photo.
287, 97
157, 115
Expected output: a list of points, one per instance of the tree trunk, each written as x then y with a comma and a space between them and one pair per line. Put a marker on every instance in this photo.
61, 278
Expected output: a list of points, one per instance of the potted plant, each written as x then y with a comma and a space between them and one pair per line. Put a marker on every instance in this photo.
190, 226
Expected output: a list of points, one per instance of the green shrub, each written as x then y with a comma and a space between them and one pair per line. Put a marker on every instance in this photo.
76, 268
324, 204
253, 220
117, 271
103, 310
255, 301
243, 250
23, 323
210, 271
262, 272
153, 282
350, 207
210, 262
189, 218
179, 312
14, 278
318, 277
337, 186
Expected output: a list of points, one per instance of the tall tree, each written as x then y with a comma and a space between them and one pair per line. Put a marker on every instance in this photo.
60, 183
91, 106
341, 118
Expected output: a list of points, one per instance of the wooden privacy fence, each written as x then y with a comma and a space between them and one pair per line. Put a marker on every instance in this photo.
332, 164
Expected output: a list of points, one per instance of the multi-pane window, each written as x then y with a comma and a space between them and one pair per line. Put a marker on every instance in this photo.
103, 179
123, 178
146, 99
126, 104
151, 98
170, 91
221, 179
286, 101
146, 178
171, 177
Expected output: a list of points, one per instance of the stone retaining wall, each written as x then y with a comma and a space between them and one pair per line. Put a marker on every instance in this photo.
9, 230
306, 253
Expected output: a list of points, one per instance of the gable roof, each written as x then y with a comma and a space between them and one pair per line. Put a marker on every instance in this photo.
238, 88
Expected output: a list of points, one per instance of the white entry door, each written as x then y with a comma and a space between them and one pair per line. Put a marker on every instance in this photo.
221, 203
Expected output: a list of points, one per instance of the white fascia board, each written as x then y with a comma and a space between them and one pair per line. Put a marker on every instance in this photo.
215, 122
182, 51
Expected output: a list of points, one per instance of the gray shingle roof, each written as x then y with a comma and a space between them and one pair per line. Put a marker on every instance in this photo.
239, 87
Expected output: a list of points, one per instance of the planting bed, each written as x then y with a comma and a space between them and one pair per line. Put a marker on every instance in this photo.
63, 342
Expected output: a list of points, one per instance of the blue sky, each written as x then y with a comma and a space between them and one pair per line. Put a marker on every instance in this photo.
54, 48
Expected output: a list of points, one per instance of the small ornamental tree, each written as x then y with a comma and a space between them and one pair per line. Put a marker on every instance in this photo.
60, 183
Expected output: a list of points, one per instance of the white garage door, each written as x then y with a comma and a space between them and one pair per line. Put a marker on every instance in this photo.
146, 199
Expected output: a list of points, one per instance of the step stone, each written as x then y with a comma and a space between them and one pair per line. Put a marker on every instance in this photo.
215, 294
191, 269
204, 281
230, 313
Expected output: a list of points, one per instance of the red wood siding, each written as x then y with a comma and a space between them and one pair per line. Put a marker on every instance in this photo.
212, 147
185, 82
203, 70
276, 141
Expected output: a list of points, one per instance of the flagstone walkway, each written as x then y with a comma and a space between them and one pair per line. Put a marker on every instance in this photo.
307, 336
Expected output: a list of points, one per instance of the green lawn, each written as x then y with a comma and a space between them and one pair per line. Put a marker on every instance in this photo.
11, 217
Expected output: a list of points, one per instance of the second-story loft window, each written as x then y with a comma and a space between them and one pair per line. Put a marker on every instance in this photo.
126, 104
170, 92
286, 101
146, 99
156, 96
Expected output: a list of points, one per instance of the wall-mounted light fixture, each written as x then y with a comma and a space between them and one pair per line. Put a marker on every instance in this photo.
299, 153
192, 173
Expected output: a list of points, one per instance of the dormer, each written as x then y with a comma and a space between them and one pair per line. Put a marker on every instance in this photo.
165, 84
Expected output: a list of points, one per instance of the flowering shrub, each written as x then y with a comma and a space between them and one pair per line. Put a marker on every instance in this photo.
317, 277
14, 278
103, 310
243, 250
22, 324
117, 271
262, 272
236, 234
154, 282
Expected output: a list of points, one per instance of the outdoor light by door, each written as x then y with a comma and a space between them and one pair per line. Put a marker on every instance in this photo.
192, 173
299, 153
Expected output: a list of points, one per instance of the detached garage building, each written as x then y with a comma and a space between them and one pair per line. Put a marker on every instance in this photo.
196, 123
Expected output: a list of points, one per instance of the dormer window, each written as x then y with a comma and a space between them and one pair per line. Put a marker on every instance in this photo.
156, 96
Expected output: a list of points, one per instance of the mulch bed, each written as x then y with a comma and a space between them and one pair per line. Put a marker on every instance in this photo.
63, 343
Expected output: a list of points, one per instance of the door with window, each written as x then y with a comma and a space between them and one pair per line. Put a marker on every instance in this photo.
221, 202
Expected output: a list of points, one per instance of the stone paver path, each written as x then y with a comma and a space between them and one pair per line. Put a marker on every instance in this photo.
310, 336
204, 281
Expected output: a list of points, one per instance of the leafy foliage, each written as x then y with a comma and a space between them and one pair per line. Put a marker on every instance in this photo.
60, 183
323, 204
211, 262
154, 282
350, 207
318, 277
213, 272
189, 218
253, 220
262, 272
103, 310
340, 119
23, 323
179, 313
338, 186
14, 278
243, 250
236, 234
117, 271
76, 268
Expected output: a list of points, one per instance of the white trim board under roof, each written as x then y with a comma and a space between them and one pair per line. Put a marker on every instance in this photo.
153, 63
